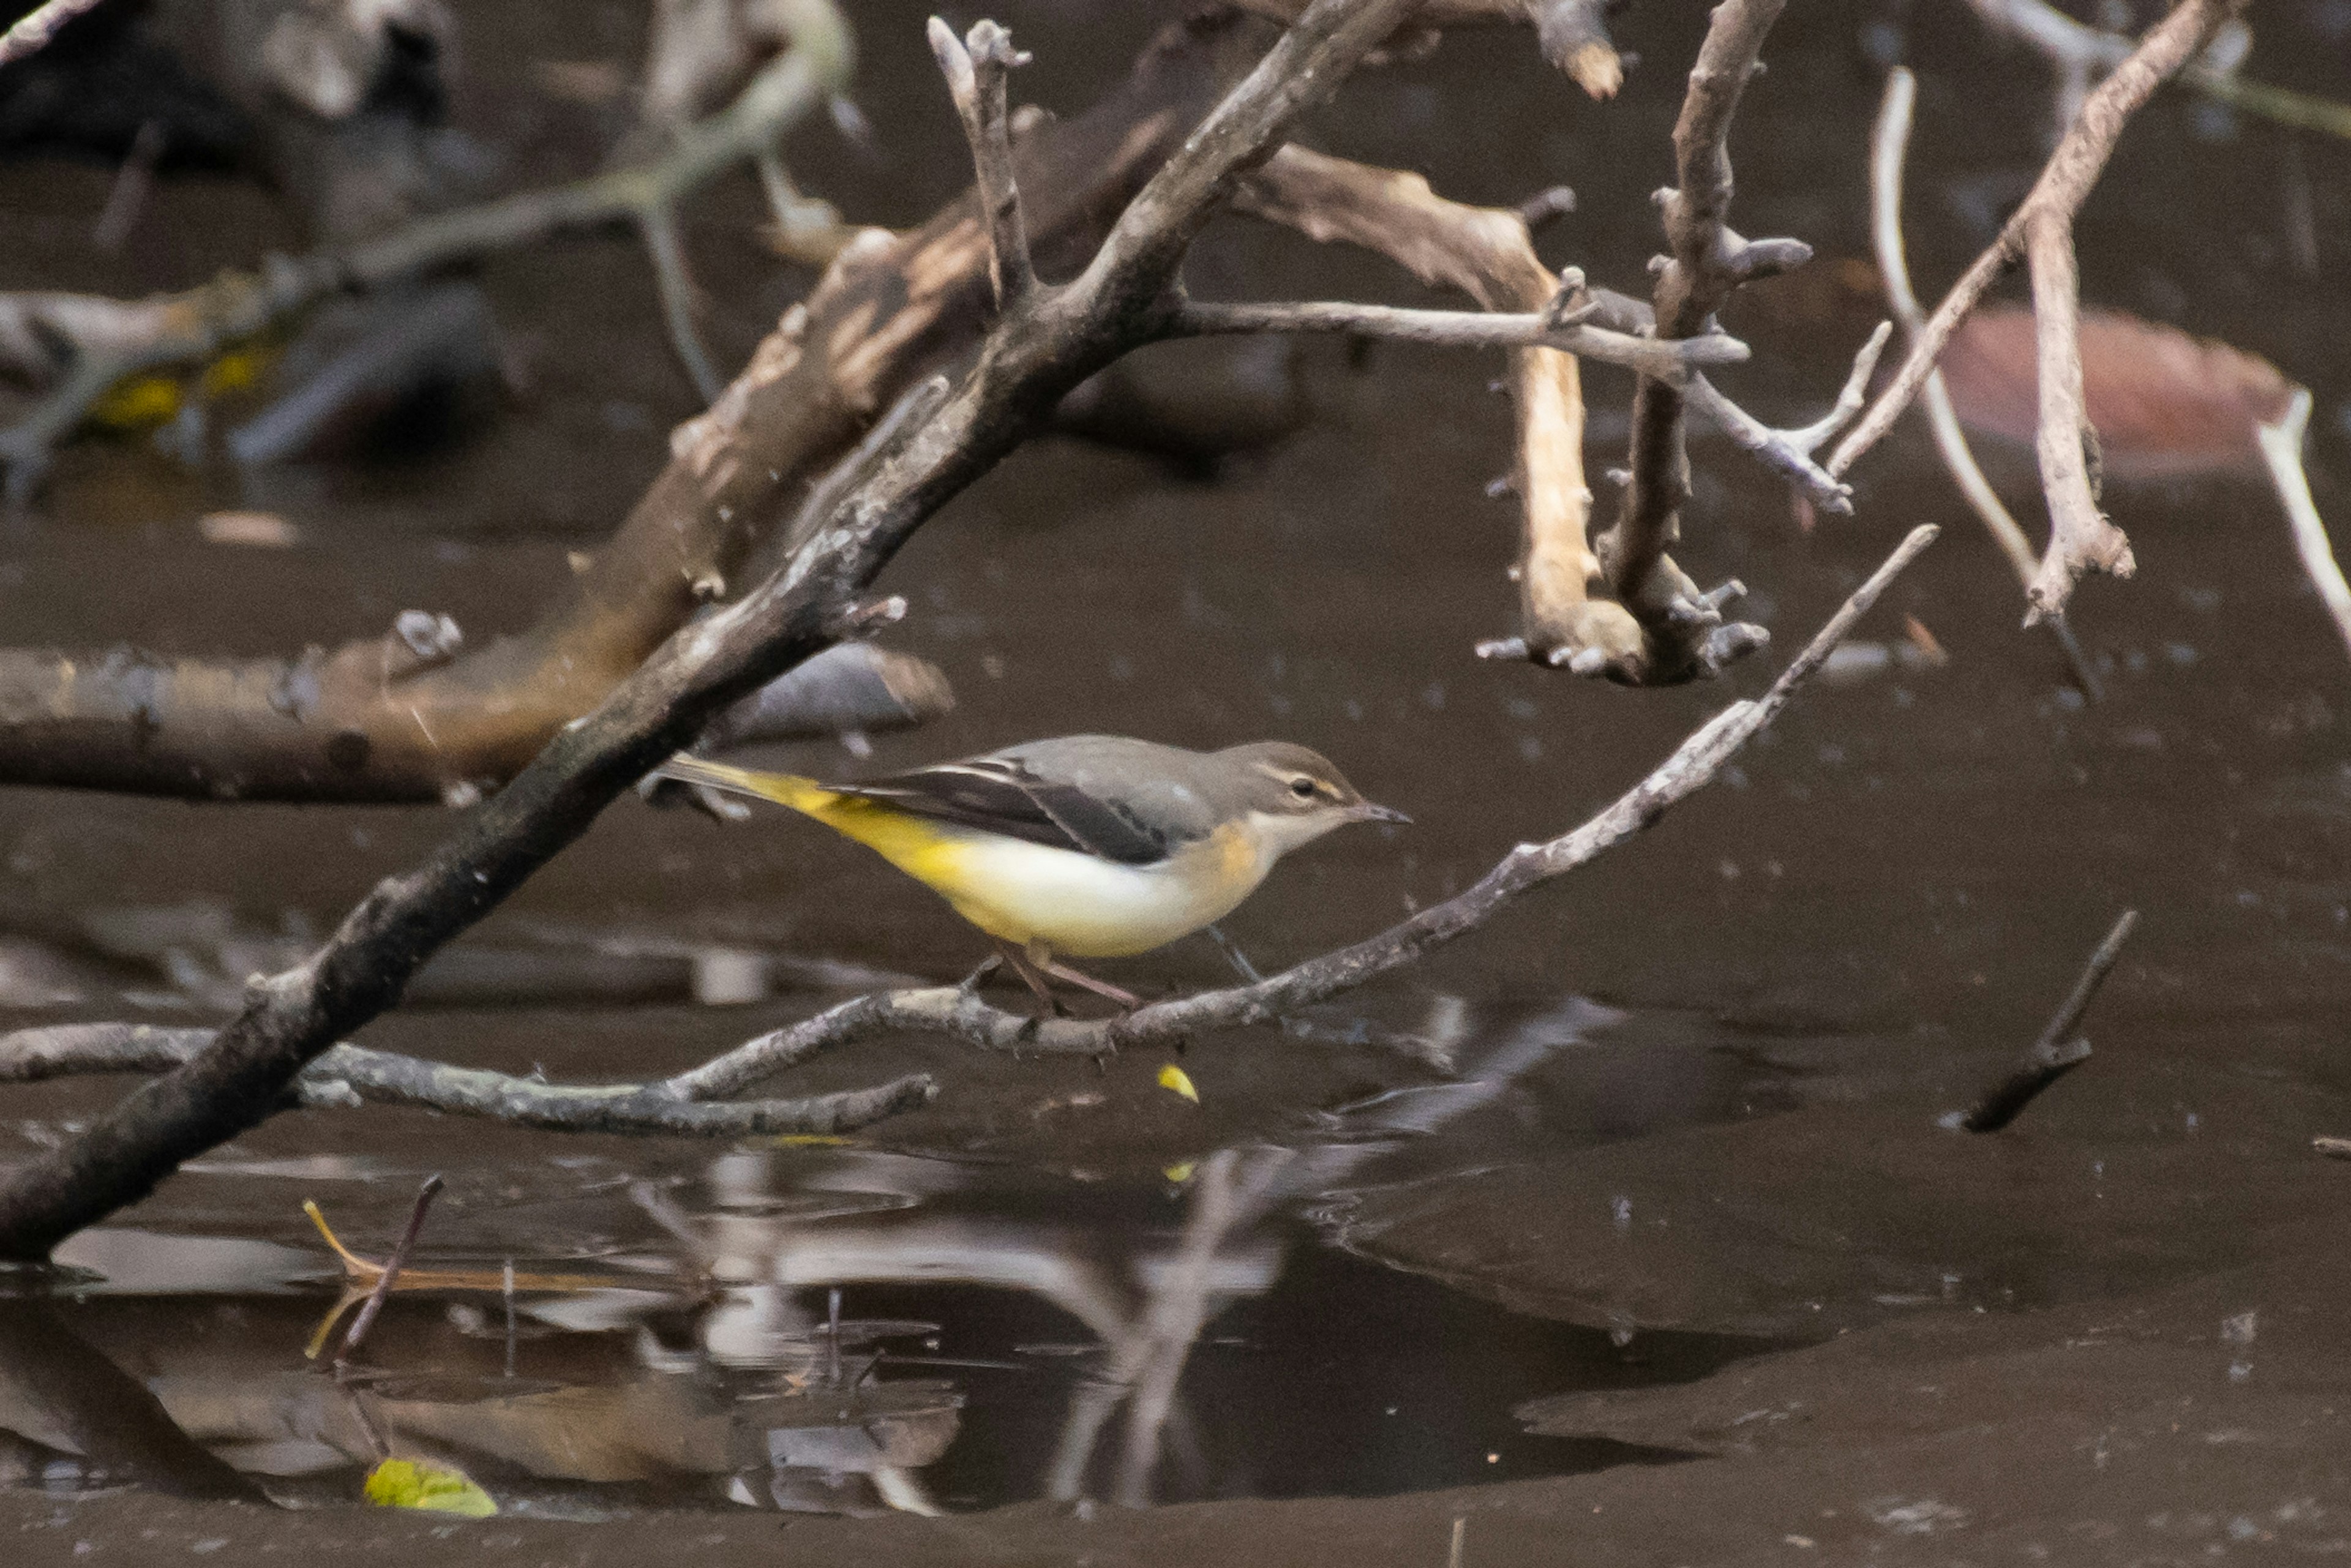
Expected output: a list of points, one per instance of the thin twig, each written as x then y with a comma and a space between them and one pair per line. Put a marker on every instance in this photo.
1791, 451
1667, 361
2332, 1147
976, 70
2281, 447
347, 1075
2057, 1051
2079, 536
673, 281
392, 1267
1889, 145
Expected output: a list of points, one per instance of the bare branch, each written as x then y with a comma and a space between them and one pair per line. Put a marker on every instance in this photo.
2281, 447
349, 1075
2056, 1052
1791, 451
341, 723
1574, 33
1889, 144
1487, 253
1709, 261
2065, 181
2080, 537
1668, 362
957, 1011
1032, 359
976, 72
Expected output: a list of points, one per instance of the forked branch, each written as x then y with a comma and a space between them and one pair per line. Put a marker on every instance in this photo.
2080, 537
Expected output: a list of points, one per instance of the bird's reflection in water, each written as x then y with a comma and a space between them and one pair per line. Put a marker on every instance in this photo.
735, 1357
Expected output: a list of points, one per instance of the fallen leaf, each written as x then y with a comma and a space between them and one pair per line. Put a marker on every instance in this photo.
1176, 1081
404, 1483
2165, 404
1181, 1172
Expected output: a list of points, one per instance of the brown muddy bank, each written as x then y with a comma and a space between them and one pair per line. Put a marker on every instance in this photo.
2112, 1333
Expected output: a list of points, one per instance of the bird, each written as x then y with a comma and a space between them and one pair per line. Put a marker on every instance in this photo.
1087, 846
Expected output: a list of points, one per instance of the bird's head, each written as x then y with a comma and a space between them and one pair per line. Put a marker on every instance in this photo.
1293, 796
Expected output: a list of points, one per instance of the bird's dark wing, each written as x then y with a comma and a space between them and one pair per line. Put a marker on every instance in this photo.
999, 796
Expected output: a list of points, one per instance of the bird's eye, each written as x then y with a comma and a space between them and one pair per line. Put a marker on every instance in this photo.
1302, 788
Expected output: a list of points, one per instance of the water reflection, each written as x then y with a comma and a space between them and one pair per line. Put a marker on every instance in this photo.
843, 1329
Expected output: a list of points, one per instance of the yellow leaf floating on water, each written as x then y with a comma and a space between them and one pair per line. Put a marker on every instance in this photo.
404, 1483
812, 1141
1174, 1078
1181, 1172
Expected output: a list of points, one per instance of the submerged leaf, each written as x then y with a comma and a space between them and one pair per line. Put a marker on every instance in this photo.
404, 1483
1176, 1079
2165, 404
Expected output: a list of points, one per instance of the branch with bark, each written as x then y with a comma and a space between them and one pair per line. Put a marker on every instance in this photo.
694, 1102
2041, 232
1574, 33
1039, 349
1889, 144
1685, 634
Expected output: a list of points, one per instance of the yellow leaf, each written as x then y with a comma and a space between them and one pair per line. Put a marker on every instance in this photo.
404, 1483
1174, 1079
235, 370
1180, 1172
139, 403
811, 1141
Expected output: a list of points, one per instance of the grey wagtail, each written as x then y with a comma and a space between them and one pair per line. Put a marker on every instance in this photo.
1093, 846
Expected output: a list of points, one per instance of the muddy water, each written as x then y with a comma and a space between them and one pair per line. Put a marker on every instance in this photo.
2112, 1333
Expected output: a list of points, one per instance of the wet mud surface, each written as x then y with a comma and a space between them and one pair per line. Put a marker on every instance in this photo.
1683, 1247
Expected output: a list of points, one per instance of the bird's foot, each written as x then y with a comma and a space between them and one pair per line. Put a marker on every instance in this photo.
1126, 999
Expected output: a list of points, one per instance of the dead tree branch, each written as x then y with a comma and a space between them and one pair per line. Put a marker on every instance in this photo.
2057, 1051
191, 327
1708, 261
1038, 351
976, 70
1791, 451
349, 1076
1487, 253
1574, 33
2080, 537
368, 722
1672, 362
1889, 145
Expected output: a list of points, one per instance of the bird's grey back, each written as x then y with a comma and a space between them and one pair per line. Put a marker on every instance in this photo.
1164, 786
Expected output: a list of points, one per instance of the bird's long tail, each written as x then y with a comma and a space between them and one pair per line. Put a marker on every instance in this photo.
804, 795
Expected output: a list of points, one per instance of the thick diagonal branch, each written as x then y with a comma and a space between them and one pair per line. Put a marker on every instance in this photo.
1025, 366
2080, 537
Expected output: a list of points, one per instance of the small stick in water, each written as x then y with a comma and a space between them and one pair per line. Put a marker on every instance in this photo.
2054, 1054
507, 1284
366, 1319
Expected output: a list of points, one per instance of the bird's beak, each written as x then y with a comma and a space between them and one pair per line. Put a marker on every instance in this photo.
1364, 811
